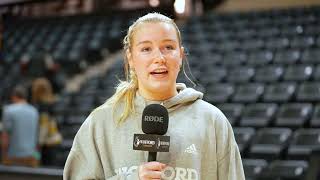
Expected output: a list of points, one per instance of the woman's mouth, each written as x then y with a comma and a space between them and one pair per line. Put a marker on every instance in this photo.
159, 73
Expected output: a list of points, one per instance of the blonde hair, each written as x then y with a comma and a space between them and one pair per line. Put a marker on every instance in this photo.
42, 91
126, 90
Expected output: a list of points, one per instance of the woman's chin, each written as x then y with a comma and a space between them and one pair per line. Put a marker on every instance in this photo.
164, 89
161, 86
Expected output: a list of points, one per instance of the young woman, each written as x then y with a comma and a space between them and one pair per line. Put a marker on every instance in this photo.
49, 137
202, 140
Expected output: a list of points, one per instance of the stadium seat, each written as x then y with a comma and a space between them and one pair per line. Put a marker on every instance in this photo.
251, 44
293, 115
312, 29
316, 74
269, 73
240, 74
75, 119
314, 164
298, 73
318, 42
279, 92
2, 71
60, 119
61, 106
258, 115
243, 136
287, 57
231, 46
311, 56
269, 143
219, 93
309, 92
284, 169
250, 92
62, 153
69, 131
213, 75
302, 42
273, 43
315, 120
260, 58
211, 59
232, 111
80, 100
253, 167
270, 33
234, 59
303, 142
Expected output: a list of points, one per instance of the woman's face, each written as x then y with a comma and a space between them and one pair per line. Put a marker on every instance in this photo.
156, 57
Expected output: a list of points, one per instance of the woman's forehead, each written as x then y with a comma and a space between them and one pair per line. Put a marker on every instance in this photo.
157, 30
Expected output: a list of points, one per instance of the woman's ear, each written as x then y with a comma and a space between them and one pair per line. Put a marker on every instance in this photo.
182, 53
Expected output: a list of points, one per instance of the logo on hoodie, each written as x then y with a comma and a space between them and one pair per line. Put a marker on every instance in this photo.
191, 149
169, 173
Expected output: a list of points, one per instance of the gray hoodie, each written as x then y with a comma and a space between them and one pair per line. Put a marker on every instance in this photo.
202, 144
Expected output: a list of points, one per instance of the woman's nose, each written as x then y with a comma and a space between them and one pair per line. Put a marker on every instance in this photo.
159, 56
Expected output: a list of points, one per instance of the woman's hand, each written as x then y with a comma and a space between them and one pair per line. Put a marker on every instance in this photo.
151, 170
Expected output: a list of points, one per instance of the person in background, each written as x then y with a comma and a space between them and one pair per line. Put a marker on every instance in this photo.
20, 130
49, 137
202, 143
43, 65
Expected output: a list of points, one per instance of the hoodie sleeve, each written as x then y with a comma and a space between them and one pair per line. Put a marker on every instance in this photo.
84, 161
229, 159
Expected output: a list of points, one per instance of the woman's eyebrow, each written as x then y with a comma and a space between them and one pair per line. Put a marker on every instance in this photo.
147, 41
143, 42
171, 40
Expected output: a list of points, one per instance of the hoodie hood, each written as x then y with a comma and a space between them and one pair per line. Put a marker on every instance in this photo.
185, 95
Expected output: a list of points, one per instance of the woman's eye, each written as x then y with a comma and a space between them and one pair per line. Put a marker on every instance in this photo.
146, 49
169, 47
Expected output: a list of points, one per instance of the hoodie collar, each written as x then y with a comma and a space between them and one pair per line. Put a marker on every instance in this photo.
185, 95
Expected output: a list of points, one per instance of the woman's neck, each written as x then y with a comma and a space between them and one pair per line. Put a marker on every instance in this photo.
157, 96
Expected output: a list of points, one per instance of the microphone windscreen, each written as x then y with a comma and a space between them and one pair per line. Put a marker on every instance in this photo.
155, 119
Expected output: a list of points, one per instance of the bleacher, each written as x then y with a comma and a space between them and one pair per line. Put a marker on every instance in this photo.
74, 42
262, 69
70, 40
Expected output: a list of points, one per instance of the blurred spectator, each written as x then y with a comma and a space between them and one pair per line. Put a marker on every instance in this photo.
49, 136
39, 65
20, 128
43, 65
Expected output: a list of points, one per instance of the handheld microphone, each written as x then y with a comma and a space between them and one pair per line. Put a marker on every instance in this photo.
155, 121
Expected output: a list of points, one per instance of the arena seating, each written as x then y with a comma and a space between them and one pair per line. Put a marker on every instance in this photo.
264, 77
73, 42
260, 68
69, 40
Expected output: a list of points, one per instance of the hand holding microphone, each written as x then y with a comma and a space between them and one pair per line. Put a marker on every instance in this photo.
151, 170
155, 120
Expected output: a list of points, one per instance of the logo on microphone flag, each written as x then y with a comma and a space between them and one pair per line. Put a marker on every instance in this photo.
151, 142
